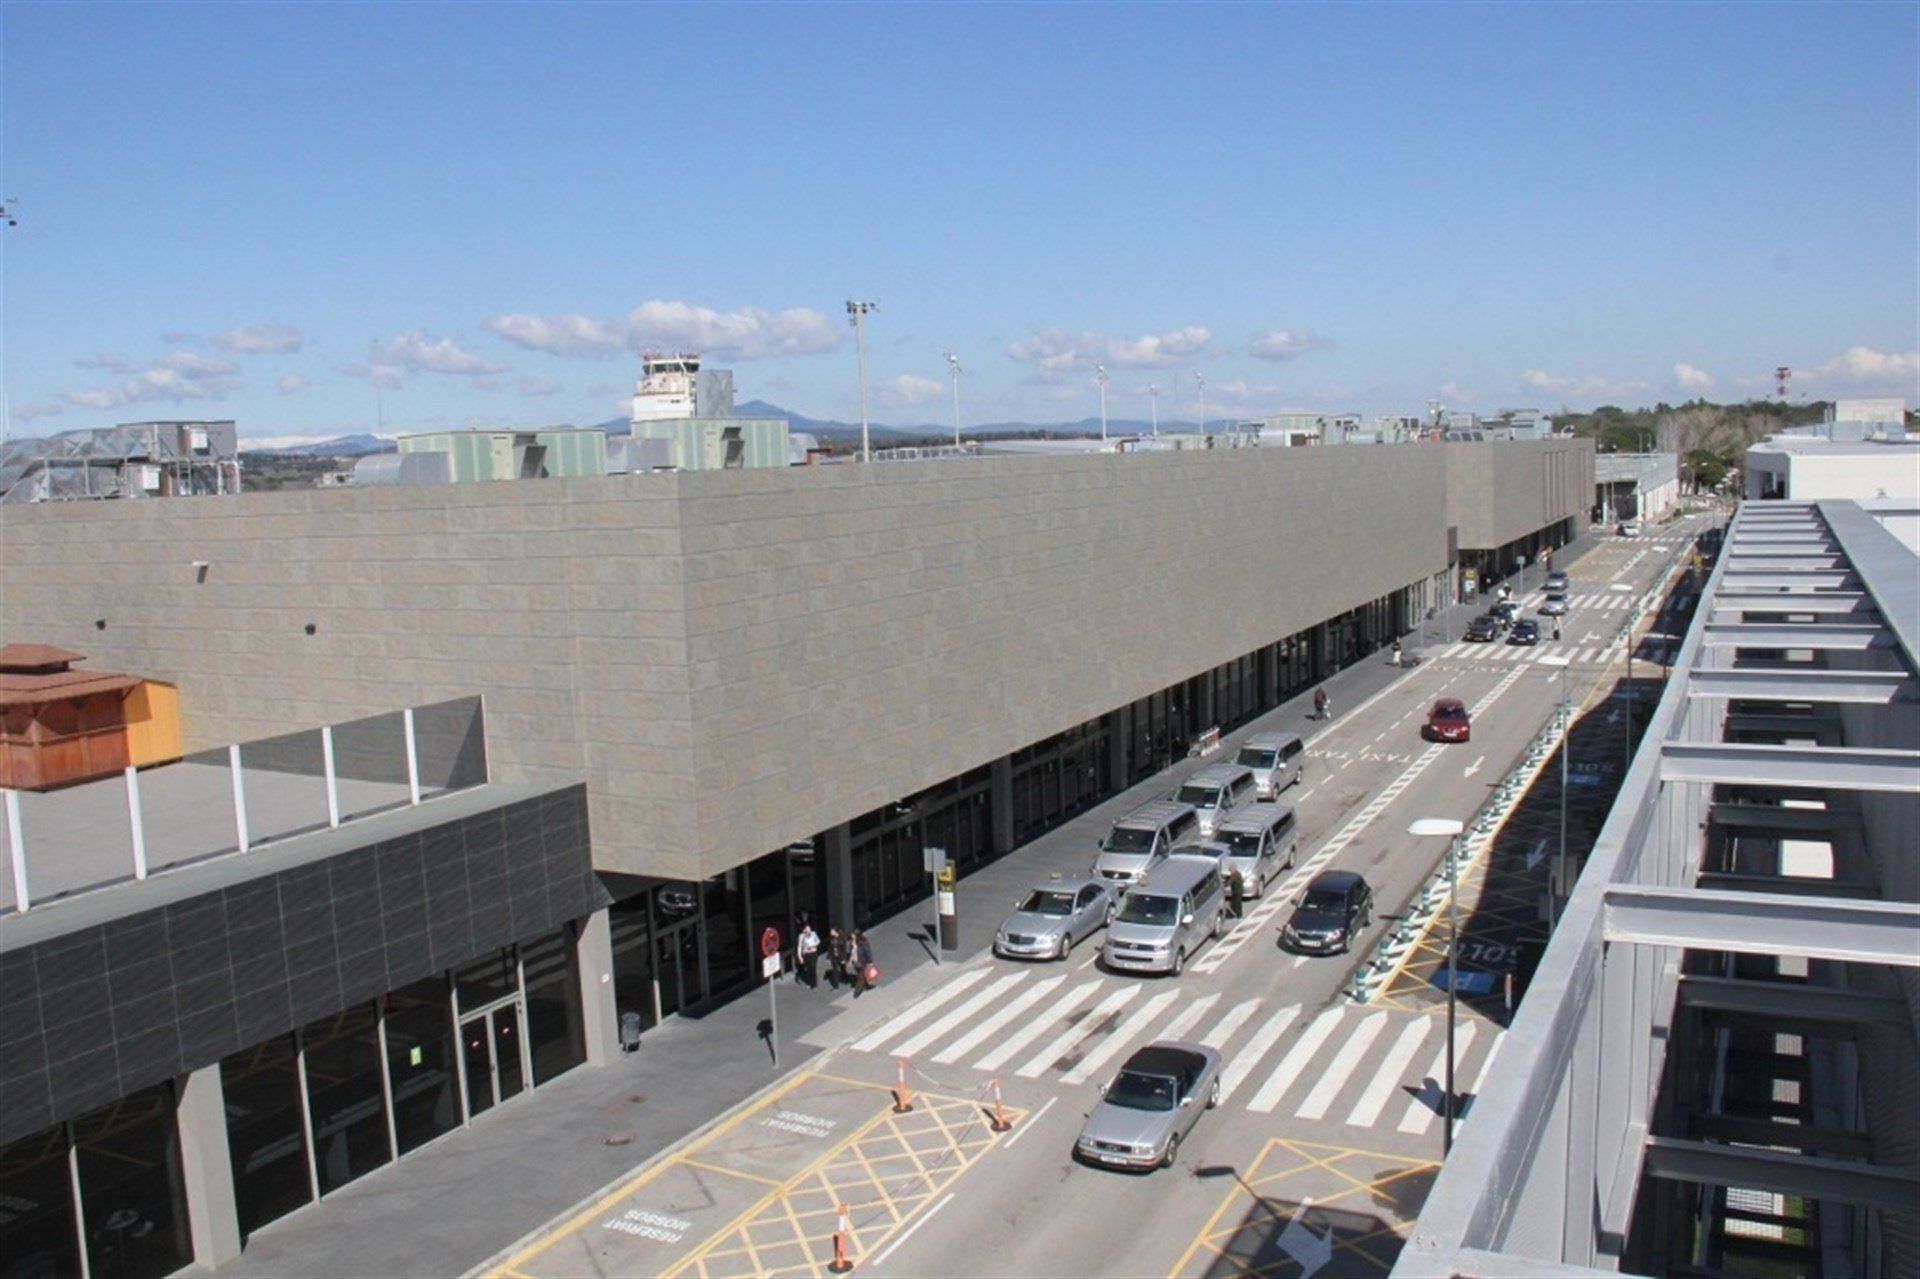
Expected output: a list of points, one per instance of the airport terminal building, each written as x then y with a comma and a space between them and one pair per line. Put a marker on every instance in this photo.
474, 772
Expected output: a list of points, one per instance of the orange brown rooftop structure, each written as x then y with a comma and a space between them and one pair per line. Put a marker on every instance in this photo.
59, 725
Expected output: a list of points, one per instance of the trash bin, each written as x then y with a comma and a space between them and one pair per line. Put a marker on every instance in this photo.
629, 1032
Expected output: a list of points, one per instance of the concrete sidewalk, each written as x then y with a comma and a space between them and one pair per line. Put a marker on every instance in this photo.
468, 1196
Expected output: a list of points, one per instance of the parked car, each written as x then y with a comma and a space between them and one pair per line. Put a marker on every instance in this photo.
1276, 760
1142, 839
1050, 919
1483, 629
1217, 792
1525, 631
1260, 845
1335, 909
1629, 528
1555, 605
1150, 1105
1168, 916
1449, 721
1556, 581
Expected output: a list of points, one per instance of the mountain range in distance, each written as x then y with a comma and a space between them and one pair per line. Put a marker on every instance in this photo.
360, 444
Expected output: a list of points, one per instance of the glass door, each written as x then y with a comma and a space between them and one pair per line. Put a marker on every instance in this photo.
490, 1049
476, 1053
509, 1071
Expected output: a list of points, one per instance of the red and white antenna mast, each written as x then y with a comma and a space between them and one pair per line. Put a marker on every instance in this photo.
1781, 376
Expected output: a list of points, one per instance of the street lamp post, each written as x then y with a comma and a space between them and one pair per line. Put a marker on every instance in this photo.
1449, 828
1100, 375
1626, 745
856, 315
953, 364
1153, 406
1203, 402
1565, 665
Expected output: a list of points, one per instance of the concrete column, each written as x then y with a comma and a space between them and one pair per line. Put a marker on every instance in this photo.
206, 1167
836, 855
1209, 701
1119, 729
1001, 793
599, 1011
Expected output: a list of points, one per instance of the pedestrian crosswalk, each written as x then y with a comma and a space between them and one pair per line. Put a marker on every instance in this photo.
1523, 654
1341, 1064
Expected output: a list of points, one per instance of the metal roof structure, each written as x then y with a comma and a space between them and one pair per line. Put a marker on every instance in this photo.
1714, 1070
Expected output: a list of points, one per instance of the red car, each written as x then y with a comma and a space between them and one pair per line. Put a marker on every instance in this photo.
1448, 721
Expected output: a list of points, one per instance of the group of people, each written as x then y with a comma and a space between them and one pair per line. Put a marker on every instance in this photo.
849, 959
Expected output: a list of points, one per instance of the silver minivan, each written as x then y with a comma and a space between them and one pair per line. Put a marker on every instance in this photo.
1217, 792
1260, 844
1166, 917
1276, 760
1142, 839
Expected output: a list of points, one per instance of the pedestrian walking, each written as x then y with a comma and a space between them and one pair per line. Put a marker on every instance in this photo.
1320, 703
806, 953
839, 955
865, 971
1556, 628
1396, 652
1236, 892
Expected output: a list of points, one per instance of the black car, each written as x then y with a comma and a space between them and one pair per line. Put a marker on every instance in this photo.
1525, 631
1483, 629
1336, 907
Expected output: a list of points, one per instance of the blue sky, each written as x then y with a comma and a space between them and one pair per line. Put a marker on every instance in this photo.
302, 216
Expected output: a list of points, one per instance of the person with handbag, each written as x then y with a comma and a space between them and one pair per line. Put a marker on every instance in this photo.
839, 957
806, 953
865, 971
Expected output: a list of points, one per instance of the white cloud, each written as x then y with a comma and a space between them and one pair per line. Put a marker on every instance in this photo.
261, 339
394, 362
1590, 387
534, 384
910, 388
104, 360
28, 412
745, 333
292, 383
1863, 366
1239, 391
1692, 377
1056, 354
1283, 344
181, 375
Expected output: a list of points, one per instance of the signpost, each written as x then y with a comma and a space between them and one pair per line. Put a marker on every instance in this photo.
943, 881
770, 969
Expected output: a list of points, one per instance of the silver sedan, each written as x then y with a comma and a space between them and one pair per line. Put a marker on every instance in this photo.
1049, 920
1151, 1104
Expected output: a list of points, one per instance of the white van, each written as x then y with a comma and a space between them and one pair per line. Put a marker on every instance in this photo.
1217, 792
1143, 838
1261, 844
1276, 760
1167, 917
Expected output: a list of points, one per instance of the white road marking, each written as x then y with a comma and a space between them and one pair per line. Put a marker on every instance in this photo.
1027, 999
908, 1232
1374, 1099
1289, 1068
925, 1008
1223, 1029
1188, 1018
1073, 1034
914, 1046
1249, 1056
1420, 1115
1034, 1029
1032, 1119
1121, 1037
1340, 1072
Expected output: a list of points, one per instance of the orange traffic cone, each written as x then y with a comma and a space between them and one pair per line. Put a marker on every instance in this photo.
1000, 1120
901, 1104
842, 1228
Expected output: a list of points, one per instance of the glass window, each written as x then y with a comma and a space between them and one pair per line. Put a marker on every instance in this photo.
344, 1096
486, 981
555, 1033
265, 1138
426, 1097
726, 910
132, 1200
632, 958
36, 1208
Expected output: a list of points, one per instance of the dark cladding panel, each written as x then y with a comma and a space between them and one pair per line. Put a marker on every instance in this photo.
105, 1011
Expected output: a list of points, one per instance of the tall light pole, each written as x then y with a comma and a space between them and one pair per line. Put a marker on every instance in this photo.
1626, 744
1450, 829
954, 364
856, 314
1565, 676
1203, 402
1100, 376
1153, 406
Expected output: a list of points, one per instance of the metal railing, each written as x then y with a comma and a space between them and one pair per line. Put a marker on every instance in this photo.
234, 799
